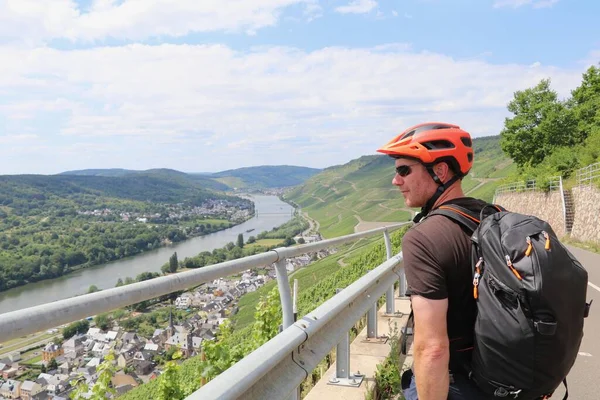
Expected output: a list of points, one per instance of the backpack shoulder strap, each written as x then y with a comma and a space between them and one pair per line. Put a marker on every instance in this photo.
463, 216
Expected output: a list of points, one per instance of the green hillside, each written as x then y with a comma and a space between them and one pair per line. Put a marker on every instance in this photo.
340, 197
33, 191
263, 177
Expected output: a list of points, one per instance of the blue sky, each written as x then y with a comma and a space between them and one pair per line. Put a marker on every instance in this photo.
215, 85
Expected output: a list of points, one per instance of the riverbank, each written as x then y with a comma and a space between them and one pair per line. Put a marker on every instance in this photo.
214, 225
272, 213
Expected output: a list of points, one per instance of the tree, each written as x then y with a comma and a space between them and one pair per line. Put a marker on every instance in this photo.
93, 288
301, 240
166, 268
586, 102
119, 282
251, 239
52, 364
240, 241
540, 124
103, 321
173, 263
76, 327
586, 107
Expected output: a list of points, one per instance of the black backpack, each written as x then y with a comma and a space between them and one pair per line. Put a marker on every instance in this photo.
530, 293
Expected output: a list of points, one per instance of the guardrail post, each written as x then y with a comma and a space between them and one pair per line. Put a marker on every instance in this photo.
372, 321
343, 377
295, 300
403, 284
389, 295
284, 293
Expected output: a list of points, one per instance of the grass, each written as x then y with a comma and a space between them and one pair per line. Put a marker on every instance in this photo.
485, 192
590, 246
18, 343
214, 221
247, 305
32, 361
264, 242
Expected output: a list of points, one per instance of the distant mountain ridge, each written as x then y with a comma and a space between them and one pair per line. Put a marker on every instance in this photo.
267, 176
260, 177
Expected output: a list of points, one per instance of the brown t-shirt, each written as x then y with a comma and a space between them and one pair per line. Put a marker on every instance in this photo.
437, 261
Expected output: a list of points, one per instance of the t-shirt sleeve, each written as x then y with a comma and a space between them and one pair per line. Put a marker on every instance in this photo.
424, 274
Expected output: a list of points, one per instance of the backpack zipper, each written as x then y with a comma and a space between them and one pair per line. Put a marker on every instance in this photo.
476, 278
547, 237
529, 246
512, 268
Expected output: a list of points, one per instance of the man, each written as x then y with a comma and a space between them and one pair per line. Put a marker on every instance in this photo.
431, 160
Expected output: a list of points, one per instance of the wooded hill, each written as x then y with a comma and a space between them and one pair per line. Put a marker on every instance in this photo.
267, 176
260, 177
341, 196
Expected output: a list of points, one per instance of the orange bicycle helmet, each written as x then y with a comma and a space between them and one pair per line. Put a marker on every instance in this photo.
433, 142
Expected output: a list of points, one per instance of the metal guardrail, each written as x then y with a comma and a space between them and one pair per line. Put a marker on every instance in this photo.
554, 183
587, 175
277, 368
18, 323
516, 187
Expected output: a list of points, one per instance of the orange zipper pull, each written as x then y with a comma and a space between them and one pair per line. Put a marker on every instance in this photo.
512, 268
476, 278
529, 247
547, 246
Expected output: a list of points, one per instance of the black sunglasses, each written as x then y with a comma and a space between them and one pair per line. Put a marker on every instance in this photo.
404, 170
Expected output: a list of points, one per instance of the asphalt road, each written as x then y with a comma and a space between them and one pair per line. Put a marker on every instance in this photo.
584, 378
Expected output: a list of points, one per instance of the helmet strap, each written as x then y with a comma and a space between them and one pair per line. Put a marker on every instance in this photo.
441, 189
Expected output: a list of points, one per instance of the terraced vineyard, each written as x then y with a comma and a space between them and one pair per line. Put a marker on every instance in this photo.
359, 195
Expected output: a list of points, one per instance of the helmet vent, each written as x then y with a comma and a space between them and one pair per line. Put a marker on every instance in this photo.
439, 144
408, 134
466, 141
470, 157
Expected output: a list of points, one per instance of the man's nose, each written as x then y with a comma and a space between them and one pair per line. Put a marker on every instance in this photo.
397, 180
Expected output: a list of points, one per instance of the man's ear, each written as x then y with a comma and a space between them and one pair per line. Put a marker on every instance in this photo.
441, 170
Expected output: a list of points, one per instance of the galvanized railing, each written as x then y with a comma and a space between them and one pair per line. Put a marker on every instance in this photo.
588, 175
276, 369
516, 187
554, 183
18, 323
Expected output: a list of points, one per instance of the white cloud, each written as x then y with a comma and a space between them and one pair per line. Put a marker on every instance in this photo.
394, 13
357, 7
313, 10
135, 19
520, 3
592, 58
12, 139
168, 104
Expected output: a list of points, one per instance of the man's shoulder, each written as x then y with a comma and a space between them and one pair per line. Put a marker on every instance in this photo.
470, 203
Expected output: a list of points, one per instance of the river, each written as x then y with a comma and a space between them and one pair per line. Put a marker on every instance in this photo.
271, 211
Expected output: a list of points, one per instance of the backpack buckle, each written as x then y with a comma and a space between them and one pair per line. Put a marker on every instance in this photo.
586, 312
503, 392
